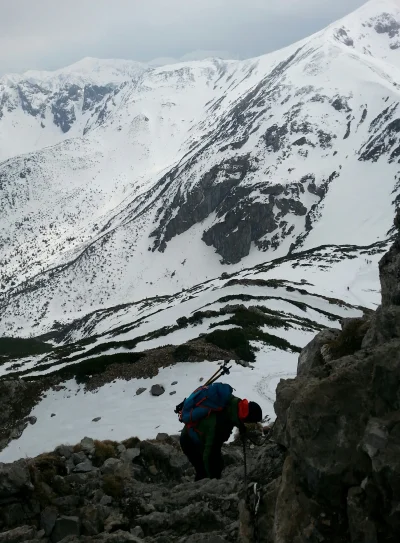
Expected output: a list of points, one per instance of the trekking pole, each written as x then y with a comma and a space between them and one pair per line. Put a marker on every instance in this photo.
245, 461
213, 378
224, 370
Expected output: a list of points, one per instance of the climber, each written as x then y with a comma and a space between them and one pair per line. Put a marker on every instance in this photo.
202, 440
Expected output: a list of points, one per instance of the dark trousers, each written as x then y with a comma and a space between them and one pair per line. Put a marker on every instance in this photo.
194, 453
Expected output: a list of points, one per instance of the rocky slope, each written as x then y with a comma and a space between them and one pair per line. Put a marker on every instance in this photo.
122, 492
170, 176
339, 421
328, 471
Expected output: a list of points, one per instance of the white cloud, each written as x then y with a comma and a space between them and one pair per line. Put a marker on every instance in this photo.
46, 34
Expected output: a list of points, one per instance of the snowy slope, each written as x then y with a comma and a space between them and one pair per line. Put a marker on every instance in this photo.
297, 296
295, 307
183, 172
125, 414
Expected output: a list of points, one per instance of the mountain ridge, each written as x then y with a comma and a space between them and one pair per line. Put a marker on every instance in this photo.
258, 163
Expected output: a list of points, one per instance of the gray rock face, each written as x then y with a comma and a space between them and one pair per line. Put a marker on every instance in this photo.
341, 427
106, 500
65, 526
389, 270
92, 518
241, 218
48, 519
163, 457
203, 200
94, 94
385, 326
63, 108
157, 390
14, 408
84, 467
79, 457
121, 448
137, 531
64, 450
116, 521
119, 536
386, 320
87, 445
129, 455
181, 521
111, 466
14, 478
361, 527
311, 356
206, 538
18, 535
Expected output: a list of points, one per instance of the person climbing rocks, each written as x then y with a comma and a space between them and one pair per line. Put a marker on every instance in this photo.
210, 414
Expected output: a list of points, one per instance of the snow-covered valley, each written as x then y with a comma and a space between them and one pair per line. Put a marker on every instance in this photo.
211, 210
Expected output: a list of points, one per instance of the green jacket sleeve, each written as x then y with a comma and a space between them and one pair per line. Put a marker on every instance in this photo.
209, 436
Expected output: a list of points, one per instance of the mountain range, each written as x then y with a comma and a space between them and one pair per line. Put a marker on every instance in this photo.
121, 181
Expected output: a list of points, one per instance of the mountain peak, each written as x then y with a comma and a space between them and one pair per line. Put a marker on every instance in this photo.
372, 30
94, 70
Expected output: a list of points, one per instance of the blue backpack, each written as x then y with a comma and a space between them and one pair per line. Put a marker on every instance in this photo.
201, 403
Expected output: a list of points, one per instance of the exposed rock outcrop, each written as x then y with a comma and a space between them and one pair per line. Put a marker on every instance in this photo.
339, 421
134, 491
16, 401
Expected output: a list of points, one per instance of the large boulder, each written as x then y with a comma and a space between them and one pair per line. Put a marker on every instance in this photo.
14, 479
361, 526
311, 356
389, 271
185, 520
157, 390
65, 526
84, 467
165, 458
18, 535
112, 466
48, 519
385, 326
119, 536
129, 455
15, 404
205, 538
87, 445
386, 321
92, 518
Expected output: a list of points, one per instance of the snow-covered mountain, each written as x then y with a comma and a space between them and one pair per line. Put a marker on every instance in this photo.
152, 218
121, 181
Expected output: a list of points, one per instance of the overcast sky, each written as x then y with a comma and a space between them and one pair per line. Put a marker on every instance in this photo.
50, 34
